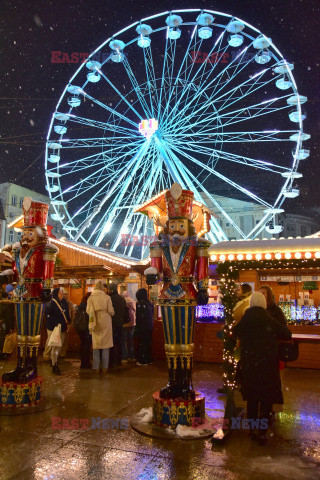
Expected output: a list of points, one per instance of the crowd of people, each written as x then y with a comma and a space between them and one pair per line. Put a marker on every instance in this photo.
259, 324
105, 321
118, 329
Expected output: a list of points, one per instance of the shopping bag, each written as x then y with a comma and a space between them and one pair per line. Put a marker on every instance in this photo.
10, 342
55, 339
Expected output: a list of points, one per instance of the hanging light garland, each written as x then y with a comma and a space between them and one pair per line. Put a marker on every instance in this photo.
228, 275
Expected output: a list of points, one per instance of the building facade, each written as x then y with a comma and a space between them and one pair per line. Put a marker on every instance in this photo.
11, 198
248, 214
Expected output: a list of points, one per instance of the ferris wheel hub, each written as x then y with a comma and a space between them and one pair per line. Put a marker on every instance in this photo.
148, 127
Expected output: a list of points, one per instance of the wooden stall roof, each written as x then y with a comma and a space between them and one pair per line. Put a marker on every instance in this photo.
298, 248
83, 272
76, 254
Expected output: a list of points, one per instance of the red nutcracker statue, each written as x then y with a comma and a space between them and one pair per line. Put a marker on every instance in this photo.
33, 265
180, 259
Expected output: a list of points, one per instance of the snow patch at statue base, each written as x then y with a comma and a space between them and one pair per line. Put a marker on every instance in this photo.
146, 416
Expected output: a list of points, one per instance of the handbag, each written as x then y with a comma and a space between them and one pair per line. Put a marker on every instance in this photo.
288, 351
55, 339
10, 343
81, 321
127, 318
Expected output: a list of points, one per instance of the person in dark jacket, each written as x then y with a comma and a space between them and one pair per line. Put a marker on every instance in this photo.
272, 308
83, 332
120, 315
56, 312
260, 380
275, 312
144, 327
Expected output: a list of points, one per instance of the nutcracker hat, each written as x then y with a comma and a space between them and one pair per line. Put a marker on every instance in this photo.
35, 213
179, 202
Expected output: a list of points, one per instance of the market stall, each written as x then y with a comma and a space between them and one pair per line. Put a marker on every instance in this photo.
292, 269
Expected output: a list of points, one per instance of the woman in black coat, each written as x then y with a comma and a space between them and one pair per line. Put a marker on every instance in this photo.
260, 380
272, 308
144, 327
57, 312
81, 325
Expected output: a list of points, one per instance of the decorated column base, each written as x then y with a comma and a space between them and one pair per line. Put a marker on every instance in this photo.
21, 395
173, 412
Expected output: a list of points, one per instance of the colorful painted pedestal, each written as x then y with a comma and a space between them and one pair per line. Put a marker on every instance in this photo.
173, 412
21, 395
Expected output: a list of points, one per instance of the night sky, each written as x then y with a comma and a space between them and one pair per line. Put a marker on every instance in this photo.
31, 84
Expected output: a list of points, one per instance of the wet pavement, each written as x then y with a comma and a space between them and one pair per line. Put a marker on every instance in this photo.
32, 449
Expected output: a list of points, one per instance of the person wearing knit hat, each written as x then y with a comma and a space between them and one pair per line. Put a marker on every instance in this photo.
260, 380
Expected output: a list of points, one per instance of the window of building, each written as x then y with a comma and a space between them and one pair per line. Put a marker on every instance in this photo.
227, 224
14, 200
257, 221
21, 202
11, 214
11, 233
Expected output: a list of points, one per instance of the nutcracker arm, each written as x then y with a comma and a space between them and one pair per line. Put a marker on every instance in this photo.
49, 257
202, 276
156, 263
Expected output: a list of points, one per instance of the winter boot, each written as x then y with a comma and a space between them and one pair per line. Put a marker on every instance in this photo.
187, 391
170, 390
14, 375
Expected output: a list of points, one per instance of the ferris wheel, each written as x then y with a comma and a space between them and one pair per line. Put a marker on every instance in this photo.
196, 97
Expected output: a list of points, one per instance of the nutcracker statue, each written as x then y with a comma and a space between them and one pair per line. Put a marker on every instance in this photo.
32, 269
179, 258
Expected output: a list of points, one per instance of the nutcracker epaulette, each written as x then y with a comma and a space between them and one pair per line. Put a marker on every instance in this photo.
51, 248
203, 243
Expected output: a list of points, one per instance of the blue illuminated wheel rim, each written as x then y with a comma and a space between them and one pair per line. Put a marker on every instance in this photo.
193, 96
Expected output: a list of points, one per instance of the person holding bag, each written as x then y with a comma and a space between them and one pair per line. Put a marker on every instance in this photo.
56, 316
100, 311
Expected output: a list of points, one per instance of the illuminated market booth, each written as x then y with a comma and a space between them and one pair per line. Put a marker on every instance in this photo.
291, 267
79, 266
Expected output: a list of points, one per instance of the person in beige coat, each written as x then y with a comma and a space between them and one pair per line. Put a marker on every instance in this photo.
100, 311
244, 293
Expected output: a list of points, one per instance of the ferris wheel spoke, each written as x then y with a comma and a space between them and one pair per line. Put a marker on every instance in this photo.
222, 177
239, 89
134, 160
167, 71
137, 89
116, 206
193, 184
109, 109
239, 115
253, 85
142, 191
102, 125
209, 84
184, 64
201, 73
151, 79
216, 155
95, 179
122, 97
125, 178
97, 142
